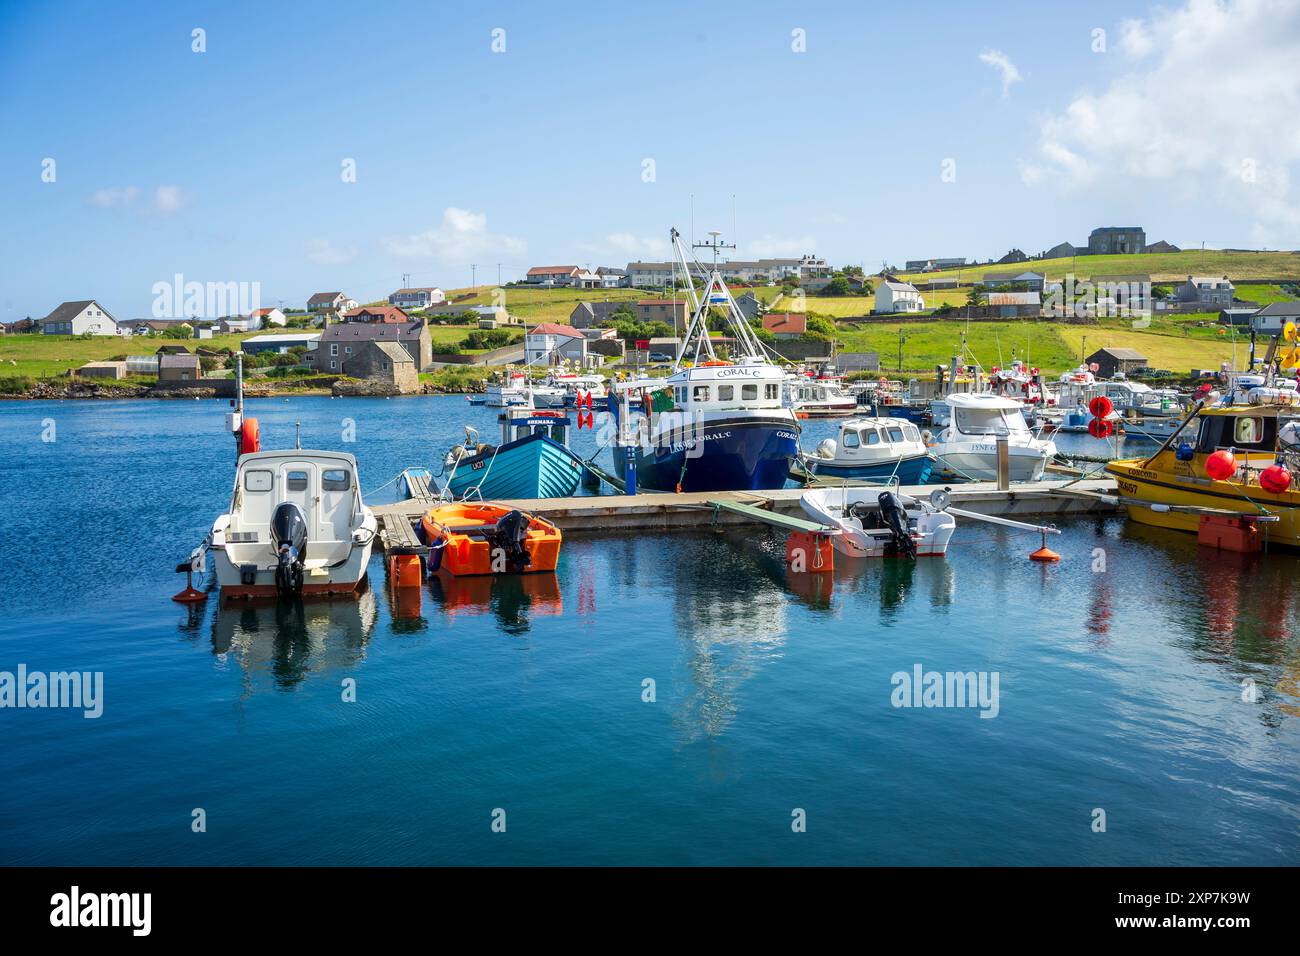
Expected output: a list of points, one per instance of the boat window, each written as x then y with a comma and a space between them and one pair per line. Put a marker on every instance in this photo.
895, 434
334, 479
989, 422
912, 433
771, 392
701, 393
1249, 430
749, 392
257, 480
296, 481
726, 393
870, 436
557, 432
850, 439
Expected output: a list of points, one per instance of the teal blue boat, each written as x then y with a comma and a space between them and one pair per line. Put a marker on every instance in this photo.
533, 461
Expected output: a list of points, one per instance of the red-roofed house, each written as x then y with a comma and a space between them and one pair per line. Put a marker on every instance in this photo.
552, 343
786, 325
552, 275
390, 314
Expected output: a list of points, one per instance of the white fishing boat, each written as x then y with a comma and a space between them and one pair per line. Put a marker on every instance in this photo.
875, 524
512, 390
811, 397
968, 447
296, 526
575, 387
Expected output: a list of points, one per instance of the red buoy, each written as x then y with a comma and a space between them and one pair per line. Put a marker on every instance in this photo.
1221, 465
1275, 479
1100, 428
1101, 406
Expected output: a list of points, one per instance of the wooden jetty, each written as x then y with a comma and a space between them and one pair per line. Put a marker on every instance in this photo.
653, 511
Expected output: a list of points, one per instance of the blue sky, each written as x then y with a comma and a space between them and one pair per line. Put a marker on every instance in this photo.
226, 165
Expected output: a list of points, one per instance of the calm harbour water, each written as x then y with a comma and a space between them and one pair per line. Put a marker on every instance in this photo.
1119, 690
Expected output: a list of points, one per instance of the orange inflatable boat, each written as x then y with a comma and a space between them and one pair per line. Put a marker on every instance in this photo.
481, 538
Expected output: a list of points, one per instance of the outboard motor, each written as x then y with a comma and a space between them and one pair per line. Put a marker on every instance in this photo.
894, 518
289, 535
511, 533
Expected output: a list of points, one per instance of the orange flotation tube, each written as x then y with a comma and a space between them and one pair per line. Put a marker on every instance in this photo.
712, 362
250, 440
481, 538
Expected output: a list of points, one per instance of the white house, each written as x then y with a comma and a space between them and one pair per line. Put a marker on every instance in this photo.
330, 302
280, 343
78, 318
1271, 319
649, 275
268, 317
409, 300
894, 296
232, 324
550, 343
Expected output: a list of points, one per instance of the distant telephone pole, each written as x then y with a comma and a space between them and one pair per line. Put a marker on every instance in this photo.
473, 273
498, 275
406, 280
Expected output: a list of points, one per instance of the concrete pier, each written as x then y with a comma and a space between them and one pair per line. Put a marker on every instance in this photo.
613, 514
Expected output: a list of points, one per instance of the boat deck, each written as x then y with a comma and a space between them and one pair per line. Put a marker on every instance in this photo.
654, 511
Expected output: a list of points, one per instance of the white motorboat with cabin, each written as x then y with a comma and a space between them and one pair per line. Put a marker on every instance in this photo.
881, 449
821, 397
296, 526
967, 448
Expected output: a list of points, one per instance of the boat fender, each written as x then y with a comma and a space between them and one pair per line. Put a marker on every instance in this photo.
250, 439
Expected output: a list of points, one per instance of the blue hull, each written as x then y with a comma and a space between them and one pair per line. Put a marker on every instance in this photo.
531, 467
909, 471
744, 454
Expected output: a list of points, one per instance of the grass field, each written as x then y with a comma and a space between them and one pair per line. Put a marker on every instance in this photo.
43, 356
1171, 266
1053, 347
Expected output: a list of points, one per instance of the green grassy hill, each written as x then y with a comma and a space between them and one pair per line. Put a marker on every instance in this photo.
1162, 267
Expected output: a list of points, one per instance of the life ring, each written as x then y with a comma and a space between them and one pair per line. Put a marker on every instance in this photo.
249, 438
713, 362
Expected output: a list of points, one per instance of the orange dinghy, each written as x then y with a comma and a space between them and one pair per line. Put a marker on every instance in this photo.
481, 538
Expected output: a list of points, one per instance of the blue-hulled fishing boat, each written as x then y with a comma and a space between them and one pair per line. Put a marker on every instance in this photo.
533, 459
880, 449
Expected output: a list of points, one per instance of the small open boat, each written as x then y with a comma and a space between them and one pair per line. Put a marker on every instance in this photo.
532, 461
483, 538
878, 524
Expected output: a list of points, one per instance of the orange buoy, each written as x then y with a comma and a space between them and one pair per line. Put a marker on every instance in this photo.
1044, 553
1221, 465
250, 439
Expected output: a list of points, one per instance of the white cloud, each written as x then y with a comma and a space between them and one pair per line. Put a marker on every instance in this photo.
114, 196
1195, 119
325, 253
1002, 63
168, 199
1135, 38
460, 237
777, 247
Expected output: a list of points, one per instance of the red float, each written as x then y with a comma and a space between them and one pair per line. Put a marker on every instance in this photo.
1100, 428
1275, 479
1221, 465
1101, 406
250, 439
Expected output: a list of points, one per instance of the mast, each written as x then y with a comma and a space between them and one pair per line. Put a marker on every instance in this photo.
698, 328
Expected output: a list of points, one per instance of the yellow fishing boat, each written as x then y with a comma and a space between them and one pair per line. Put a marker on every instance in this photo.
1228, 471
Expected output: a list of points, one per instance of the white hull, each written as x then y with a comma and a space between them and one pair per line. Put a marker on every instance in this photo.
978, 461
930, 530
317, 578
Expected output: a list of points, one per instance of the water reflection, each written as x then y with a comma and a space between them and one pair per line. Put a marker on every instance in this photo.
514, 598
291, 639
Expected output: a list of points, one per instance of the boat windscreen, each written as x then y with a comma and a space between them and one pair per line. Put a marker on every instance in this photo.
992, 421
